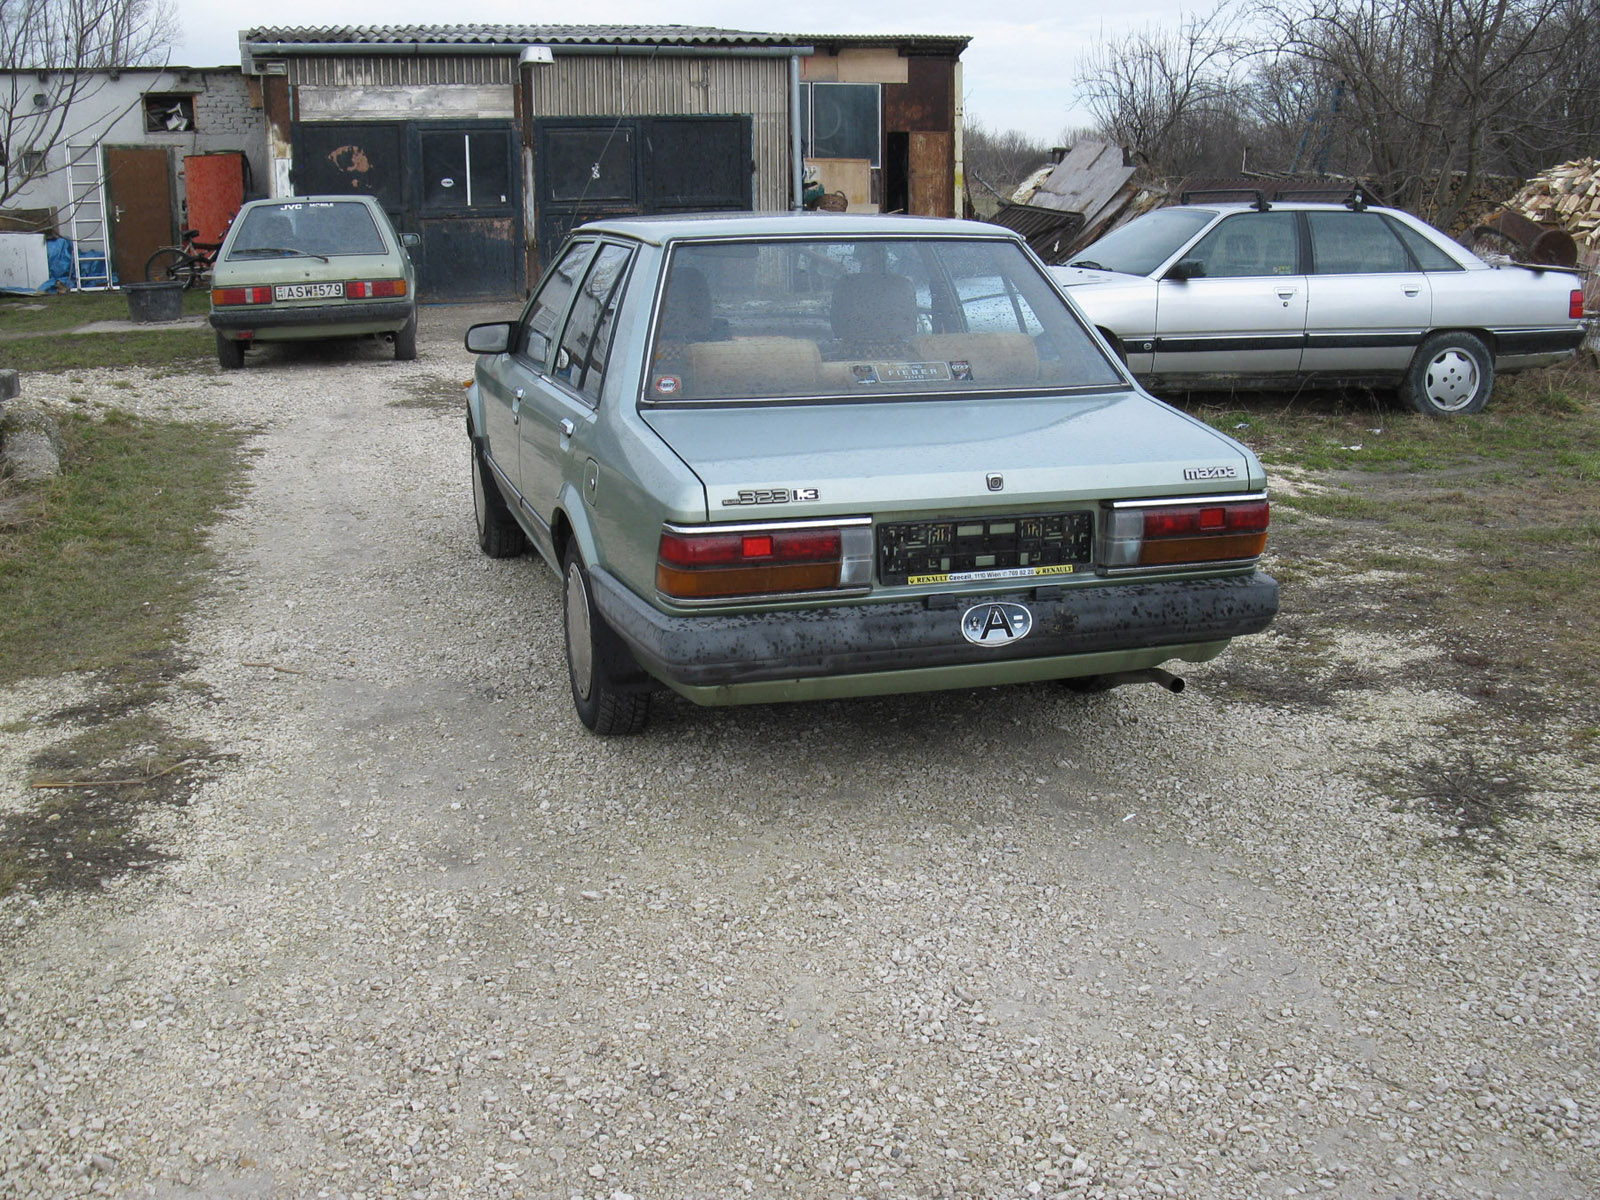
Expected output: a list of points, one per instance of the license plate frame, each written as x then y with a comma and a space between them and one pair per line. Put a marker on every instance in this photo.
1037, 547
308, 291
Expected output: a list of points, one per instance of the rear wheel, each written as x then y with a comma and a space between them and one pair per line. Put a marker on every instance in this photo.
595, 657
163, 266
1452, 374
230, 353
405, 341
499, 535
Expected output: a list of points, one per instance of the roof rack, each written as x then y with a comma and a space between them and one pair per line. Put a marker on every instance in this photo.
1258, 201
1356, 200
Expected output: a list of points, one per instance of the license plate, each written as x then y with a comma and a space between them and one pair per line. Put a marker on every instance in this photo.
1036, 547
308, 291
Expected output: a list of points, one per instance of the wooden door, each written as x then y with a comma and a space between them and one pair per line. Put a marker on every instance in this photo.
139, 203
932, 183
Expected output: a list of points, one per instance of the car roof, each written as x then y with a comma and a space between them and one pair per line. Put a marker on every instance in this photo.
720, 226
370, 201
1233, 206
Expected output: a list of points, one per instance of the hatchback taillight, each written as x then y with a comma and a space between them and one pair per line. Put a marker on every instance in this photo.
770, 559
1184, 533
222, 297
373, 289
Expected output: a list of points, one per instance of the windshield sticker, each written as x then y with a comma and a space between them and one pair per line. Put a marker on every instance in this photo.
961, 371
924, 372
975, 576
667, 384
864, 373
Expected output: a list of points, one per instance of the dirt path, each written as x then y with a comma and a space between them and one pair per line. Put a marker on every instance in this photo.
425, 937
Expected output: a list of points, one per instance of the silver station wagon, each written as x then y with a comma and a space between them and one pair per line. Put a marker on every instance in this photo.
311, 267
1239, 295
796, 457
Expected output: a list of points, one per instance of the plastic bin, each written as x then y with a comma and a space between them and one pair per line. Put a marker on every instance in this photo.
151, 302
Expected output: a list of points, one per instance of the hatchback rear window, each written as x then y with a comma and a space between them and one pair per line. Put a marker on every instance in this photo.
863, 318
321, 227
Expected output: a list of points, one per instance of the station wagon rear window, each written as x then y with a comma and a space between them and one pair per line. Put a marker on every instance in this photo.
862, 319
316, 227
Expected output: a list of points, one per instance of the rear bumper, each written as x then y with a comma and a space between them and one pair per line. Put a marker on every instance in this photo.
361, 317
1092, 624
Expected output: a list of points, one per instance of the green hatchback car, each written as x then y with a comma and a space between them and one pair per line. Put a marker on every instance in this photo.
806, 456
306, 267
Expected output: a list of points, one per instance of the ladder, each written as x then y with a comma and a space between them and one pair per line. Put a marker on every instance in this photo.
86, 208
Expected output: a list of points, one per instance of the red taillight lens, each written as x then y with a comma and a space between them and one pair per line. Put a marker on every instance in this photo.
1192, 532
222, 297
1575, 305
373, 289
723, 564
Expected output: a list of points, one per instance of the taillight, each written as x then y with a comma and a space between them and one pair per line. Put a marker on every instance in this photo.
724, 562
374, 289
223, 297
1575, 304
1159, 534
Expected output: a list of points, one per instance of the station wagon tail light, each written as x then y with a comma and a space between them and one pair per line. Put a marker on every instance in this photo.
374, 289
725, 562
1163, 533
1575, 304
222, 297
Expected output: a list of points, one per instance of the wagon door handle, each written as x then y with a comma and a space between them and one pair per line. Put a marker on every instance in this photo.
567, 427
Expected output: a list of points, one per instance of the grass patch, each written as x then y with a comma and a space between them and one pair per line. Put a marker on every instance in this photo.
102, 569
153, 346
57, 312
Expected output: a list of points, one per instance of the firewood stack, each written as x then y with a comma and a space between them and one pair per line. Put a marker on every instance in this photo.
1567, 196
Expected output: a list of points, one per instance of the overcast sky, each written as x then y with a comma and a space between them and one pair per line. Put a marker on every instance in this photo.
1019, 70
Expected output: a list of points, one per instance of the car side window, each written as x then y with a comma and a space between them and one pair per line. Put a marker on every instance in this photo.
1428, 256
543, 317
1246, 245
1355, 243
581, 360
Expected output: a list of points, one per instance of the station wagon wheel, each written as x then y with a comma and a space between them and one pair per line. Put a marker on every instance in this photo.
499, 535
230, 353
1452, 373
594, 656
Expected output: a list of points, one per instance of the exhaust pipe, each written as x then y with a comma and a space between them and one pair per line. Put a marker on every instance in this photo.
1166, 679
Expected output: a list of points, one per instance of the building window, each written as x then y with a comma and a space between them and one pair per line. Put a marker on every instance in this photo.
168, 113
841, 120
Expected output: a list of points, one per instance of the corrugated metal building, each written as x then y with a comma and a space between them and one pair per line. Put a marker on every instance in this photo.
492, 141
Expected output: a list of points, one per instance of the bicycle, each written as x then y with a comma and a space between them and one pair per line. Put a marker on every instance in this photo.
189, 263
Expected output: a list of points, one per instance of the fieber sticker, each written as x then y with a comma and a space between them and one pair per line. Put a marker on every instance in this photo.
667, 384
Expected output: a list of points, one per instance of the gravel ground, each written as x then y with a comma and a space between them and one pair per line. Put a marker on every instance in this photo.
425, 937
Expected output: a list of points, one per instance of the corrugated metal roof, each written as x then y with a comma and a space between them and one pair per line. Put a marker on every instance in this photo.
517, 36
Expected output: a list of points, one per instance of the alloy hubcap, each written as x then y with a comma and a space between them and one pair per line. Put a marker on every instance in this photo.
1452, 380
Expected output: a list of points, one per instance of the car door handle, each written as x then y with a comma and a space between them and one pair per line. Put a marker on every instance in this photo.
516, 407
1412, 291
1286, 293
567, 427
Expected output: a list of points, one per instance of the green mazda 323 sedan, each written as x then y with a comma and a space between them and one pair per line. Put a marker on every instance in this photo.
814, 455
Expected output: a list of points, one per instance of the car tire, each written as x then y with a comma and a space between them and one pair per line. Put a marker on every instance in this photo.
405, 340
595, 656
1452, 374
499, 535
230, 353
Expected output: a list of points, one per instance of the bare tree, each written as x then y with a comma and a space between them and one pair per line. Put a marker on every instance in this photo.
1001, 159
1437, 89
1172, 98
50, 53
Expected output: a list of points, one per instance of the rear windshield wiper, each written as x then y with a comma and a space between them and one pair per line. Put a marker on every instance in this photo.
281, 250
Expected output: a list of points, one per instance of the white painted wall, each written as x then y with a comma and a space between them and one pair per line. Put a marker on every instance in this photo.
109, 110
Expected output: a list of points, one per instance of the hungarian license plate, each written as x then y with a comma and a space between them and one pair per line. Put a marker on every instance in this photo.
308, 291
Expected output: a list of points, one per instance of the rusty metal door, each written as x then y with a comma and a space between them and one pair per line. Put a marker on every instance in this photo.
466, 178
139, 199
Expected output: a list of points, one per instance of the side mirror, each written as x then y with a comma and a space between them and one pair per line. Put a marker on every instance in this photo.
1188, 268
491, 338
411, 240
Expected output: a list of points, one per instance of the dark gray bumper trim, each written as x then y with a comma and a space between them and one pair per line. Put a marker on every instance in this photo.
268, 317
713, 650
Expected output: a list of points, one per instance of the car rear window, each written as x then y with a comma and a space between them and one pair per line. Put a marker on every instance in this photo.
863, 318
325, 227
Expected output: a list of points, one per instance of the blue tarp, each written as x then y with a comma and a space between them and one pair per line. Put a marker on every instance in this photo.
58, 252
